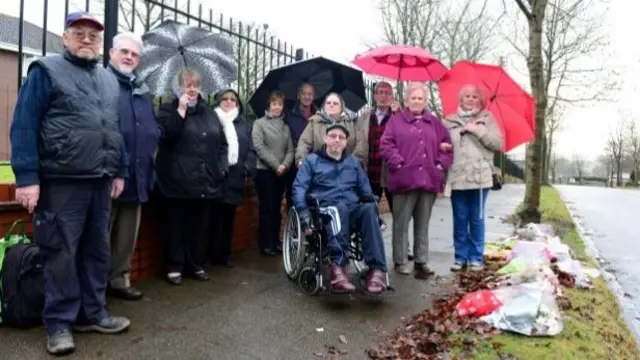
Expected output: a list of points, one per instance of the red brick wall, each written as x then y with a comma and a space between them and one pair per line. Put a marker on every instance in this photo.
147, 258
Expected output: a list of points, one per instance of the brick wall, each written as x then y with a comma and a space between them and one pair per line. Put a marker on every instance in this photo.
147, 258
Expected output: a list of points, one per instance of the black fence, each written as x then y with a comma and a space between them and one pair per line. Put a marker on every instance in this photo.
256, 50
508, 166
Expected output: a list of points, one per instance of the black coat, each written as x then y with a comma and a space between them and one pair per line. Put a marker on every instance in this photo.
246, 166
192, 154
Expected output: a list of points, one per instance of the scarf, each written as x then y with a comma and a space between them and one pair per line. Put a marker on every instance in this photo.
344, 117
466, 115
227, 118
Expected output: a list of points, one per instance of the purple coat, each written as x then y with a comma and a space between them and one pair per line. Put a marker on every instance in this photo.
411, 148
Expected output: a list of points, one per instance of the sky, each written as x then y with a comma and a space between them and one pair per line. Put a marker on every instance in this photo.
339, 29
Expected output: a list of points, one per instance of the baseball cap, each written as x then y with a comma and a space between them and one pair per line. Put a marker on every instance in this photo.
338, 126
74, 17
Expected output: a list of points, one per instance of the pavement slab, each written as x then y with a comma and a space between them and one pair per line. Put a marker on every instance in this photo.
254, 312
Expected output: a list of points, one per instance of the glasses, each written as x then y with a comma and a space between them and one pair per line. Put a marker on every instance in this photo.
384, 92
337, 137
80, 36
332, 103
230, 99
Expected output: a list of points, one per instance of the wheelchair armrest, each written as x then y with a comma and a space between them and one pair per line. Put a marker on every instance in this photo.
312, 200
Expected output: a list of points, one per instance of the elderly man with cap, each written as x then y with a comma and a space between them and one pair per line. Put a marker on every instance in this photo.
69, 161
337, 179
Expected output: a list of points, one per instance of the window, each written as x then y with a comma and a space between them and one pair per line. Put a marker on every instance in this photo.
27, 59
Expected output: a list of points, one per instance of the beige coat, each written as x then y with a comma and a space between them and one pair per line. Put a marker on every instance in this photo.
363, 123
312, 138
473, 153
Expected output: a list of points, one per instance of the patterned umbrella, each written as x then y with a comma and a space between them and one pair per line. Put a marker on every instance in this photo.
172, 46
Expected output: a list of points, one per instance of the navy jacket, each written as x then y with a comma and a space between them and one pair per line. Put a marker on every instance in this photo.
330, 181
141, 135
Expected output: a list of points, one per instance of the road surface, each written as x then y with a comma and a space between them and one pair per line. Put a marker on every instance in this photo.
610, 219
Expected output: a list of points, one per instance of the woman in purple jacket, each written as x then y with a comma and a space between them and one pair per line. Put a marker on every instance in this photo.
411, 147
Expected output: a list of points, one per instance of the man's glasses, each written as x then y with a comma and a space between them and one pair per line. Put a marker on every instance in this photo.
80, 36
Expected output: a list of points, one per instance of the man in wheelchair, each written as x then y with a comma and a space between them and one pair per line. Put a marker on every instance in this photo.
335, 178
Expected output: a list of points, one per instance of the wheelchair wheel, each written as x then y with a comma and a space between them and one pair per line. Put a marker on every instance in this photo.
293, 245
308, 281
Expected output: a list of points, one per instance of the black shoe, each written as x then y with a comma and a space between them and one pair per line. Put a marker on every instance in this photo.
410, 257
278, 250
129, 293
269, 252
200, 275
174, 280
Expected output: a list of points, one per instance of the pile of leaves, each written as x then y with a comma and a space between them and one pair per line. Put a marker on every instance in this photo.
431, 334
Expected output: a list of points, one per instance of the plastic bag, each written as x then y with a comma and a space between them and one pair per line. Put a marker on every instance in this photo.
535, 232
533, 250
478, 303
528, 309
575, 269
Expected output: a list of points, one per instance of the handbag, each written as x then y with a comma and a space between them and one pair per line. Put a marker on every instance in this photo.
497, 182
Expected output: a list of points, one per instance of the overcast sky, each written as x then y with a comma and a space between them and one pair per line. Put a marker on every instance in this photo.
339, 29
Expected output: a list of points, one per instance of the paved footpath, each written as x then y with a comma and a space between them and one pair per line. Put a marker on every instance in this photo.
252, 312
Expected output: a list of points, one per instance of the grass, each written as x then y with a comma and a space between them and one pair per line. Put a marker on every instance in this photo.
6, 174
593, 326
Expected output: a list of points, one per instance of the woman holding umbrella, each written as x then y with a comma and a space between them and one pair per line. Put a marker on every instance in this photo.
333, 111
192, 161
475, 137
242, 164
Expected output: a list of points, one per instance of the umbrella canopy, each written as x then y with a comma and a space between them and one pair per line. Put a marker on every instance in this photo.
512, 107
401, 62
325, 75
172, 46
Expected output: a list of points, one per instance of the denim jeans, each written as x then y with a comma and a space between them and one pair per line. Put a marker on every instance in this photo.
468, 224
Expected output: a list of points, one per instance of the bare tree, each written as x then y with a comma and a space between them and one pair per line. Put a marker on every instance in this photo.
450, 30
578, 166
616, 148
143, 15
571, 33
633, 148
534, 12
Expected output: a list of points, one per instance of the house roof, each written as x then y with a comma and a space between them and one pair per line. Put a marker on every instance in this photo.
32, 36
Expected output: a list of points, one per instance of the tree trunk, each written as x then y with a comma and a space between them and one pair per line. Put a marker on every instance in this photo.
531, 208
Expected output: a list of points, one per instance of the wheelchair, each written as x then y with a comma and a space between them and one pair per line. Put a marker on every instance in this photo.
306, 257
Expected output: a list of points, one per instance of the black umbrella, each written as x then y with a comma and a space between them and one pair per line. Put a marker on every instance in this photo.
325, 75
172, 46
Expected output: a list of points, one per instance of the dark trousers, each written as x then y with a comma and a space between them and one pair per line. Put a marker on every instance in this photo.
183, 225
270, 189
71, 227
378, 190
289, 178
221, 235
364, 218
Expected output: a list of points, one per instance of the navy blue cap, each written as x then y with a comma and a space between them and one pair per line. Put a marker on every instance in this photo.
338, 125
74, 17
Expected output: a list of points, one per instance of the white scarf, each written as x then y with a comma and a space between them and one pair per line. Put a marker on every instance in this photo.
226, 118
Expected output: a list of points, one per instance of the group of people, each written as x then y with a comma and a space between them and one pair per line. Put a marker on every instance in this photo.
88, 149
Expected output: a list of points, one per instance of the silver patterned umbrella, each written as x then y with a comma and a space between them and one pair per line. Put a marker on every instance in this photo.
172, 46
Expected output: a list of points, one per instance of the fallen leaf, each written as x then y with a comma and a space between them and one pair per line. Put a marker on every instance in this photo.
343, 339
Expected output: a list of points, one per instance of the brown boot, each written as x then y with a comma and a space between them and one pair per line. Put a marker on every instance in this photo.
375, 282
339, 279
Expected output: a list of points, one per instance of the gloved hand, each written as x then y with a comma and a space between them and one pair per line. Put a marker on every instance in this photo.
367, 198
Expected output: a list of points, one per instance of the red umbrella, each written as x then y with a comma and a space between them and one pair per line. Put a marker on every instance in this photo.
401, 62
512, 106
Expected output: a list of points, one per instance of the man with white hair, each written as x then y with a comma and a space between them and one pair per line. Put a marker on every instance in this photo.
140, 132
68, 158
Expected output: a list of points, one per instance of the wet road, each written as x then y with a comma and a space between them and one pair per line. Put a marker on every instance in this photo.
610, 219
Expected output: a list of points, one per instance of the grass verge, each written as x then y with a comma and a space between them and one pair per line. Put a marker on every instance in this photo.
6, 174
593, 326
